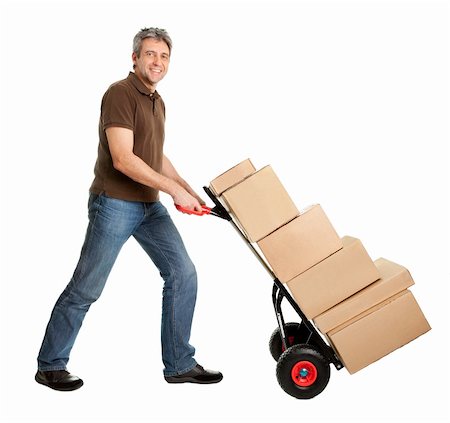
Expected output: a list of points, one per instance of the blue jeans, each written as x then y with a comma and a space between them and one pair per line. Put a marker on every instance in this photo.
111, 223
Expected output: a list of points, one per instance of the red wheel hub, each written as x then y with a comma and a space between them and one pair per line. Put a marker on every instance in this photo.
304, 373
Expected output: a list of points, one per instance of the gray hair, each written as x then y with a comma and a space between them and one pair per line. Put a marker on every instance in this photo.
156, 33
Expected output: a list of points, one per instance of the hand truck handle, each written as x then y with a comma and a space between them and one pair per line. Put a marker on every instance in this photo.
204, 210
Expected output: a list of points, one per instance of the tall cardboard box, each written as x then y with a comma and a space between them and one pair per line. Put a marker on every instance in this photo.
300, 244
334, 279
378, 331
231, 177
394, 278
260, 203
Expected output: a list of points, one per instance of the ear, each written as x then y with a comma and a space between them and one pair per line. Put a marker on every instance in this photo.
133, 57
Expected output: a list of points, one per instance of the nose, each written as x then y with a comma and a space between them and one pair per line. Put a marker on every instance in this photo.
157, 60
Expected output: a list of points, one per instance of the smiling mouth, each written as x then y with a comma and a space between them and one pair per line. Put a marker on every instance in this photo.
155, 70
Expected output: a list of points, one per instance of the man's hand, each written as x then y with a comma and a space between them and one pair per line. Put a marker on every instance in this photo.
182, 198
198, 198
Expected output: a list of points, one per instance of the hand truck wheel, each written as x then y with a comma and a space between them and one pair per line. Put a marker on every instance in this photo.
302, 371
292, 331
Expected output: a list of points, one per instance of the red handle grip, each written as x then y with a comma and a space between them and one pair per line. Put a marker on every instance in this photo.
205, 210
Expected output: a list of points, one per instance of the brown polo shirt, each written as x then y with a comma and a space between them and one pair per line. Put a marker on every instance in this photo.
130, 104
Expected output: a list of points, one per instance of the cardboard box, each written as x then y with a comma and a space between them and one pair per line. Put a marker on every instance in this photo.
260, 204
393, 279
300, 244
334, 279
231, 177
379, 331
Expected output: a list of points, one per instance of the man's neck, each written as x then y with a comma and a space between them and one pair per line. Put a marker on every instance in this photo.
151, 87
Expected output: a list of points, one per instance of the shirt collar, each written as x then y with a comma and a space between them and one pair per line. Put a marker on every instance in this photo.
132, 77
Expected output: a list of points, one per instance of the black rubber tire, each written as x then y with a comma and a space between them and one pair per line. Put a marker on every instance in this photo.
296, 333
302, 353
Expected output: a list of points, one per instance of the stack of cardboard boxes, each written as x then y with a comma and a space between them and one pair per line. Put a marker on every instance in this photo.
363, 308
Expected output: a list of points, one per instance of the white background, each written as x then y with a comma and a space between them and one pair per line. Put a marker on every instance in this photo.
349, 103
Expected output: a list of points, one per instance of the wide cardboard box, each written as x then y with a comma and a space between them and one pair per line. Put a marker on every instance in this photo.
334, 279
260, 203
393, 279
379, 331
231, 177
300, 244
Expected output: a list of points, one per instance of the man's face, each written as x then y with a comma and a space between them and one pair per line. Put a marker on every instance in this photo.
152, 63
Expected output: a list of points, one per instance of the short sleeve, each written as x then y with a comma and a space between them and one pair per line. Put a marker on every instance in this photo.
118, 108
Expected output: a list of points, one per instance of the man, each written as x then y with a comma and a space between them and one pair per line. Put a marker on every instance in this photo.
130, 171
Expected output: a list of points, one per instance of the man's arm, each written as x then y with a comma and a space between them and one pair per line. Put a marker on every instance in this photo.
120, 141
169, 171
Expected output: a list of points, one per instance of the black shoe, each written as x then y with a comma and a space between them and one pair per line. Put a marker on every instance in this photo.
197, 375
60, 380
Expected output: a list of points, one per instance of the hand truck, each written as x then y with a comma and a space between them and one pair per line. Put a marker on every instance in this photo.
303, 356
